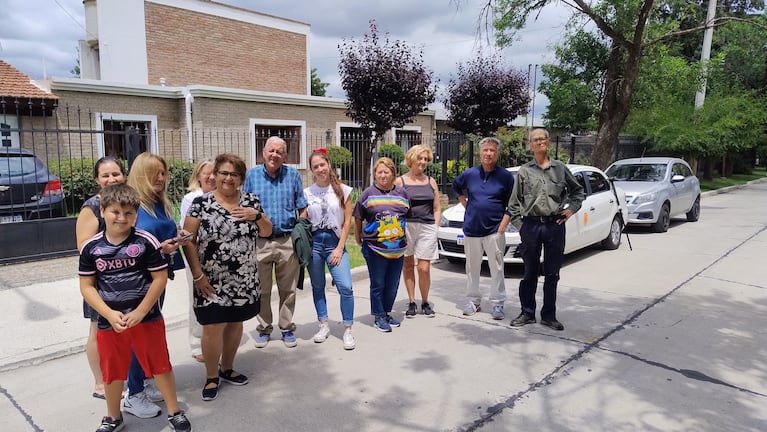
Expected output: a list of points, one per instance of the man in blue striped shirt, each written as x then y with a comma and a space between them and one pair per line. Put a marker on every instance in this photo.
281, 192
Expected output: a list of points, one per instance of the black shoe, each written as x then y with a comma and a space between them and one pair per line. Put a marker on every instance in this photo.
427, 310
208, 394
108, 424
226, 375
179, 423
552, 323
412, 310
522, 319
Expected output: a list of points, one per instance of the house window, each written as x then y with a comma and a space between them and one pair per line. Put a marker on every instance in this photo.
293, 132
125, 136
126, 139
406, 138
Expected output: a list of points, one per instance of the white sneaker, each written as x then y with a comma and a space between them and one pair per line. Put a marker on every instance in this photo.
140, 406
322, 334
349, 342
151, 391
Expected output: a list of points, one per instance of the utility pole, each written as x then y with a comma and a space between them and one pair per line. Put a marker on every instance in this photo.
532, 114
705, 54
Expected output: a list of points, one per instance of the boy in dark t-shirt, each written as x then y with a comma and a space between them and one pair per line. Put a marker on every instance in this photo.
122, 275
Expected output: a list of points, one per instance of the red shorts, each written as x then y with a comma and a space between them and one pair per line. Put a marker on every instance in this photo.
146, 340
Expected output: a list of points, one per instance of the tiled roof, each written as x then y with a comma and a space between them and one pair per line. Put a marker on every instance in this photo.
13, 83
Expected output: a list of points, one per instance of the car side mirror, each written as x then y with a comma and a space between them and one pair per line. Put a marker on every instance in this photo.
677, 178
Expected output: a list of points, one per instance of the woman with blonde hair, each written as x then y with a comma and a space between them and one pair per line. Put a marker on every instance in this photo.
330, 211
422, 227
149, 177
201, 181
379, 227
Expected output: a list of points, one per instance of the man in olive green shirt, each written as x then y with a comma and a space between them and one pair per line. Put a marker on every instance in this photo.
544, 196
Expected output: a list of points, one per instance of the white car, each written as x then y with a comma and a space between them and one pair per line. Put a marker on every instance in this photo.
598, 220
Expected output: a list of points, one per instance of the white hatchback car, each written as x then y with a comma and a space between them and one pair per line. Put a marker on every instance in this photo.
598, 220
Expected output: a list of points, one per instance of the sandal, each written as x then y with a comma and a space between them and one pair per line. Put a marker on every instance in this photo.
226, 375
208, 394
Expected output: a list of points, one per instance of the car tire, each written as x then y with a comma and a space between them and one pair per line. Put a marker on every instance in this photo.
694, 214
613, 239
664, 220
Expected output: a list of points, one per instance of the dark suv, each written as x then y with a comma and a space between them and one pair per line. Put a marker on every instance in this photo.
27, 189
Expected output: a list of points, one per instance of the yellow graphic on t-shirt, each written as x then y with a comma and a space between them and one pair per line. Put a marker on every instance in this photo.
389, 229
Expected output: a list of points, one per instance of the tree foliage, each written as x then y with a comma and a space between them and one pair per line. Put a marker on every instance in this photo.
629, 27
386, 84
319, 88
485, 95
575, 84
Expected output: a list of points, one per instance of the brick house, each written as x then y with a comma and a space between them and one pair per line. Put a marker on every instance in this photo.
196, 77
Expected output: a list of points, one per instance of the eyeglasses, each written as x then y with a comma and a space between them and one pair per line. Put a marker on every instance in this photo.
234, 175
538, 140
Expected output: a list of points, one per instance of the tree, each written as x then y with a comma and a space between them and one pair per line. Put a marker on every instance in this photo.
574, 85
75, 71
318, 87
629, 27
485, 96
386, 85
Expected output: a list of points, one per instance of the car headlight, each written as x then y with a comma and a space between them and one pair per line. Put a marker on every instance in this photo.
443, 222
645, 198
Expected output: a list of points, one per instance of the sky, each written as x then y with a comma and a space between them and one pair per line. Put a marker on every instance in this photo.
39, 37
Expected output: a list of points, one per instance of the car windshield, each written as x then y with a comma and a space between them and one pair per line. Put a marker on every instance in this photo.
12, 165
637, 172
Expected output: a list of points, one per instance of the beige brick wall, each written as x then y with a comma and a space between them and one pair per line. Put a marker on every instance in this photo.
188, 48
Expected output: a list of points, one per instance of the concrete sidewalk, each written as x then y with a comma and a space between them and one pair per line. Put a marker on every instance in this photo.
667, 337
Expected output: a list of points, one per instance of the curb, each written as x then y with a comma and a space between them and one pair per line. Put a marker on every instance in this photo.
732, 188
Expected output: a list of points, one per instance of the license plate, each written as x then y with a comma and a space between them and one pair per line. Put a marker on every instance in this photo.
10, 219
459, 239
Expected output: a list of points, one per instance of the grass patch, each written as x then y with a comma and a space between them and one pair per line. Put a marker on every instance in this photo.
733, 180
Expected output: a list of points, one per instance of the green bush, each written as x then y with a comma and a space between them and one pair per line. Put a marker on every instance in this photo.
393, 152
178, 179
433, 170
76, 179
340, 157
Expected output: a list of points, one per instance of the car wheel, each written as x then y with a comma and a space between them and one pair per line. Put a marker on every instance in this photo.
664, 219
613, 239
694, 214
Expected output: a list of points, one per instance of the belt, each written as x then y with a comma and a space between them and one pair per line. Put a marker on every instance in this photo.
542, 219
277, 236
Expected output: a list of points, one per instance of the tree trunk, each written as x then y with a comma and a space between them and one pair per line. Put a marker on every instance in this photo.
622, 71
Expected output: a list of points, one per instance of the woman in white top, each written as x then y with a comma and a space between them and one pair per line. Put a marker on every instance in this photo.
202, 180
330, 210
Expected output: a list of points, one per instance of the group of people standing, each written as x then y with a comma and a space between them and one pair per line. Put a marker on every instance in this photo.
239, 229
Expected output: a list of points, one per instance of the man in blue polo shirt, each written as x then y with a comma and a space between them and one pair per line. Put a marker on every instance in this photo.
281, 192
484, 191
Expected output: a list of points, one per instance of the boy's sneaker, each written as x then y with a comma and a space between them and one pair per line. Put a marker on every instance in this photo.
497, 312
322, 335
262, 340
392, 322
289, 339
179, 422
412, 310
152, 392
349, 342
140, 406
108, 424
471, 308
427, 310
382, 324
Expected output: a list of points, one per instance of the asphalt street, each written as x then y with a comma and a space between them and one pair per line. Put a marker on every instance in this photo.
667, 337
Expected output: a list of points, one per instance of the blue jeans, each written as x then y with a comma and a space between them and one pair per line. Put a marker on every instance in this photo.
323, 244
135, 376
384, 280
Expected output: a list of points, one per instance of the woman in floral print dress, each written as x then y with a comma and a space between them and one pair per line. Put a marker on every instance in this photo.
224, 268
